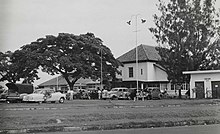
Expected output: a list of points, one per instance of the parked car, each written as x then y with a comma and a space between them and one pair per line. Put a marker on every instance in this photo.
119, 93
144, 94
72, 94
133, 93
45, 95
105, 94
1, 89
3, 95
140, 94
154, 93
84, 94
16, 91
93, 94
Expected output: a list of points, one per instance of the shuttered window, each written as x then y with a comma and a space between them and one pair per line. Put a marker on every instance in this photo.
130, 71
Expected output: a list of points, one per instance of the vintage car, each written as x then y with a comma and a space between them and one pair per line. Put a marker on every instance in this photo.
45, 95
139, 94
16, 92
154, 93
117, 93
3, 95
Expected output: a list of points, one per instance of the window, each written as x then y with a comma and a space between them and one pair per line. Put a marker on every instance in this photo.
141, 71
172, 86
130, 71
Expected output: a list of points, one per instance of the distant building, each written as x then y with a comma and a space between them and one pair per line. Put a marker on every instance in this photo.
150, 73
60, 84
204, 84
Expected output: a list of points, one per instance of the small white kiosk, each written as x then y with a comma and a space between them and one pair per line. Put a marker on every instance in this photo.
204, 84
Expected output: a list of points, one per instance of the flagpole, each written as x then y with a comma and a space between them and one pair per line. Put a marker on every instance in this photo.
136, 43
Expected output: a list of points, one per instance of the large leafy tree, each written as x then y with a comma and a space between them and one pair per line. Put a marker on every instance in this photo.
5, 67
17, 66
188, 34
74, 56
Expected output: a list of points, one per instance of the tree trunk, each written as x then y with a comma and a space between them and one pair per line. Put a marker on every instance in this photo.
70, 83
180, 95
13, 81
178, 86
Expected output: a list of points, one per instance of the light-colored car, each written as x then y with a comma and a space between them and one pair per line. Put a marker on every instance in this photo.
45, 95
119, 93
105, 94
4, 94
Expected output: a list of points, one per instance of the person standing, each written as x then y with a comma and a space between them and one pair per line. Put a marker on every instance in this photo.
70, 92
99, 93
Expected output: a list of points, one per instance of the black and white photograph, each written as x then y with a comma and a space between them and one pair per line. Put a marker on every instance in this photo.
109, 66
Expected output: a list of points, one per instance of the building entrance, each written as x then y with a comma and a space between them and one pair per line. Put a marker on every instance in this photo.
215, 89
200, 93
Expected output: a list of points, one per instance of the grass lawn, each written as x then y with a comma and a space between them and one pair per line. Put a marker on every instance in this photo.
105, 114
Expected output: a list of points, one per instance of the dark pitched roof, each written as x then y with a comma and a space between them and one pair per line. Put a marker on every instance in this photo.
145, 53
62, 81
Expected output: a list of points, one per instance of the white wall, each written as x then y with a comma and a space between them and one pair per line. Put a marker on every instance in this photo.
207, 78
142, 77
125, 72
150, 72
144, 66
160, 74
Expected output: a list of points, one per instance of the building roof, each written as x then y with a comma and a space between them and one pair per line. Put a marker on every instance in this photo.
201, 72
159, 66
145, 53
61, 81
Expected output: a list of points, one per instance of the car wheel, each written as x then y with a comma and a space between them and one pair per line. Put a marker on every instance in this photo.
61, 100
160, 96
114, 97
149, 97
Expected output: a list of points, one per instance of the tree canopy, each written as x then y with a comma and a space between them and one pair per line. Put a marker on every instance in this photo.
73, 56
188, 34
17, 66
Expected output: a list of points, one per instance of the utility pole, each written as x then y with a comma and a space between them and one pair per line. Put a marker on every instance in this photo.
57, 82
101, 71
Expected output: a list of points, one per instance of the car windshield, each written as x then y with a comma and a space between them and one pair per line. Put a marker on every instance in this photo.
38, 91
5, 91
114, 89
43, 91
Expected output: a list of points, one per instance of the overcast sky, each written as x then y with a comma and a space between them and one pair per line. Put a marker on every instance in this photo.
24, 21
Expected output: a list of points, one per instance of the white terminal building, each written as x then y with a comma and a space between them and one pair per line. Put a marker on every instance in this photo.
204, 84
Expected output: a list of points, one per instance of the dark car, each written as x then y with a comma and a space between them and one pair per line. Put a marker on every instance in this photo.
140, 94
16, 92
154, 93
133, 93
93, 94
